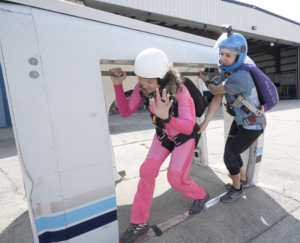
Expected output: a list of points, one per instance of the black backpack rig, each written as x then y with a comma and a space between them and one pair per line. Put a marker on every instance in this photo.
181, 138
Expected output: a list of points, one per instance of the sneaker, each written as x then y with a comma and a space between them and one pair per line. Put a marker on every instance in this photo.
232, 195
133, 231
198, 205
245, 184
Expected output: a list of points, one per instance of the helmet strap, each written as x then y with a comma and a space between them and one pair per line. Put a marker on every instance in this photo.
237, 58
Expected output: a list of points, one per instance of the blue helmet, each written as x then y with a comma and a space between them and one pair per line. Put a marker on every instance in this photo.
237, 44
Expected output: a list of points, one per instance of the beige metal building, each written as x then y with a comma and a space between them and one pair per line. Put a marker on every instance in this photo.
273, 41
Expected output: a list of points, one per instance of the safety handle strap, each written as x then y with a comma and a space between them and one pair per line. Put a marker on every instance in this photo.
251, 107
241, 100
252, 120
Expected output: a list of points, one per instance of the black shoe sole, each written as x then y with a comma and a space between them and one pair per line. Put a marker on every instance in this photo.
132, 238
241, 195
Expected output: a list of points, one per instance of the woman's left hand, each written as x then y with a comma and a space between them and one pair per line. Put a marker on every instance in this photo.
163, 105
202, 126
202, 77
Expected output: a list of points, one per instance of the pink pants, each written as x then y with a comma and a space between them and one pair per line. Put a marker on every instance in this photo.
180, 163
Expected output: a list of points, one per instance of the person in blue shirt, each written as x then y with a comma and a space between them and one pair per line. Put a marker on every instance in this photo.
233, 51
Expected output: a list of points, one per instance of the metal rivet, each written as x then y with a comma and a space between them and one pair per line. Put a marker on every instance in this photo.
34, 74
33, 61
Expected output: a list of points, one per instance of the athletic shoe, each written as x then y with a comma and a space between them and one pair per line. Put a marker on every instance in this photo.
133, 231
198, 205
245, 184
232, 195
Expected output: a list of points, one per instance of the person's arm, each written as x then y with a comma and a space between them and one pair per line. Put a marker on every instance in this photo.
186, 111
126, 107
238, 82
217, 91
182, 125
214, 89
213, 107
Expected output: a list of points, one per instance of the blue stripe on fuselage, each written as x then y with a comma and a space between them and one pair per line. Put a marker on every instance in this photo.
259, 150
78, 229
74, 216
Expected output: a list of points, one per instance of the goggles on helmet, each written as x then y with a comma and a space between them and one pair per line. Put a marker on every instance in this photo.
229, 49
230, 42
234, 43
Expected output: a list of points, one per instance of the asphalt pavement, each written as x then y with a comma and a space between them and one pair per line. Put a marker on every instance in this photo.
269, 212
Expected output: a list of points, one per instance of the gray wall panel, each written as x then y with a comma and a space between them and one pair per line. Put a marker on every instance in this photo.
216, 13
289, 52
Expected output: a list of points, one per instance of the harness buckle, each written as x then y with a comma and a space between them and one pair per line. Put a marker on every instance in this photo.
257, 112
176, 141
161, 136
247, 122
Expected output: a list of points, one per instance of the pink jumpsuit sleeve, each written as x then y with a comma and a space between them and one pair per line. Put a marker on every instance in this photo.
128, 106
186, 112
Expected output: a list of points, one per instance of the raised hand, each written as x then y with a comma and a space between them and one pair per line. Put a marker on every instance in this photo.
120, 75
163, 105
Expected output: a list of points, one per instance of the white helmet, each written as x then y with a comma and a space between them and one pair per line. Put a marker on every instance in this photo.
151, 63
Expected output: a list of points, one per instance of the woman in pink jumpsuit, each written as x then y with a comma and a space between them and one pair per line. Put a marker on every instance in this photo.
181, 157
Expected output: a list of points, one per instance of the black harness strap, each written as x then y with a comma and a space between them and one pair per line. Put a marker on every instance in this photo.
166, 142
179, 139
182, 138
162, 136
156, 230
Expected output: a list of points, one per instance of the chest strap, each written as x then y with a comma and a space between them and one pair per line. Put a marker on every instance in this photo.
257, 116
241, 100
179, 139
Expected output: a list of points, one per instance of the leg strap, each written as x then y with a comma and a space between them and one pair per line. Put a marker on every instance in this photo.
182, 138
179, 139
156, 230
163, 137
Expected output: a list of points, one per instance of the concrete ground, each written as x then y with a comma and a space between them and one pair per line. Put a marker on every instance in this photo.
270, 211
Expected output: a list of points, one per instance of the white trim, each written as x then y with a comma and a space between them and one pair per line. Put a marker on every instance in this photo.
105, 17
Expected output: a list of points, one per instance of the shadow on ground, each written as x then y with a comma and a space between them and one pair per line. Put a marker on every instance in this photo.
19, 231
245, 220
264, 215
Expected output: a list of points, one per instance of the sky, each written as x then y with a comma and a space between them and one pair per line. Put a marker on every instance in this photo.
286, 8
